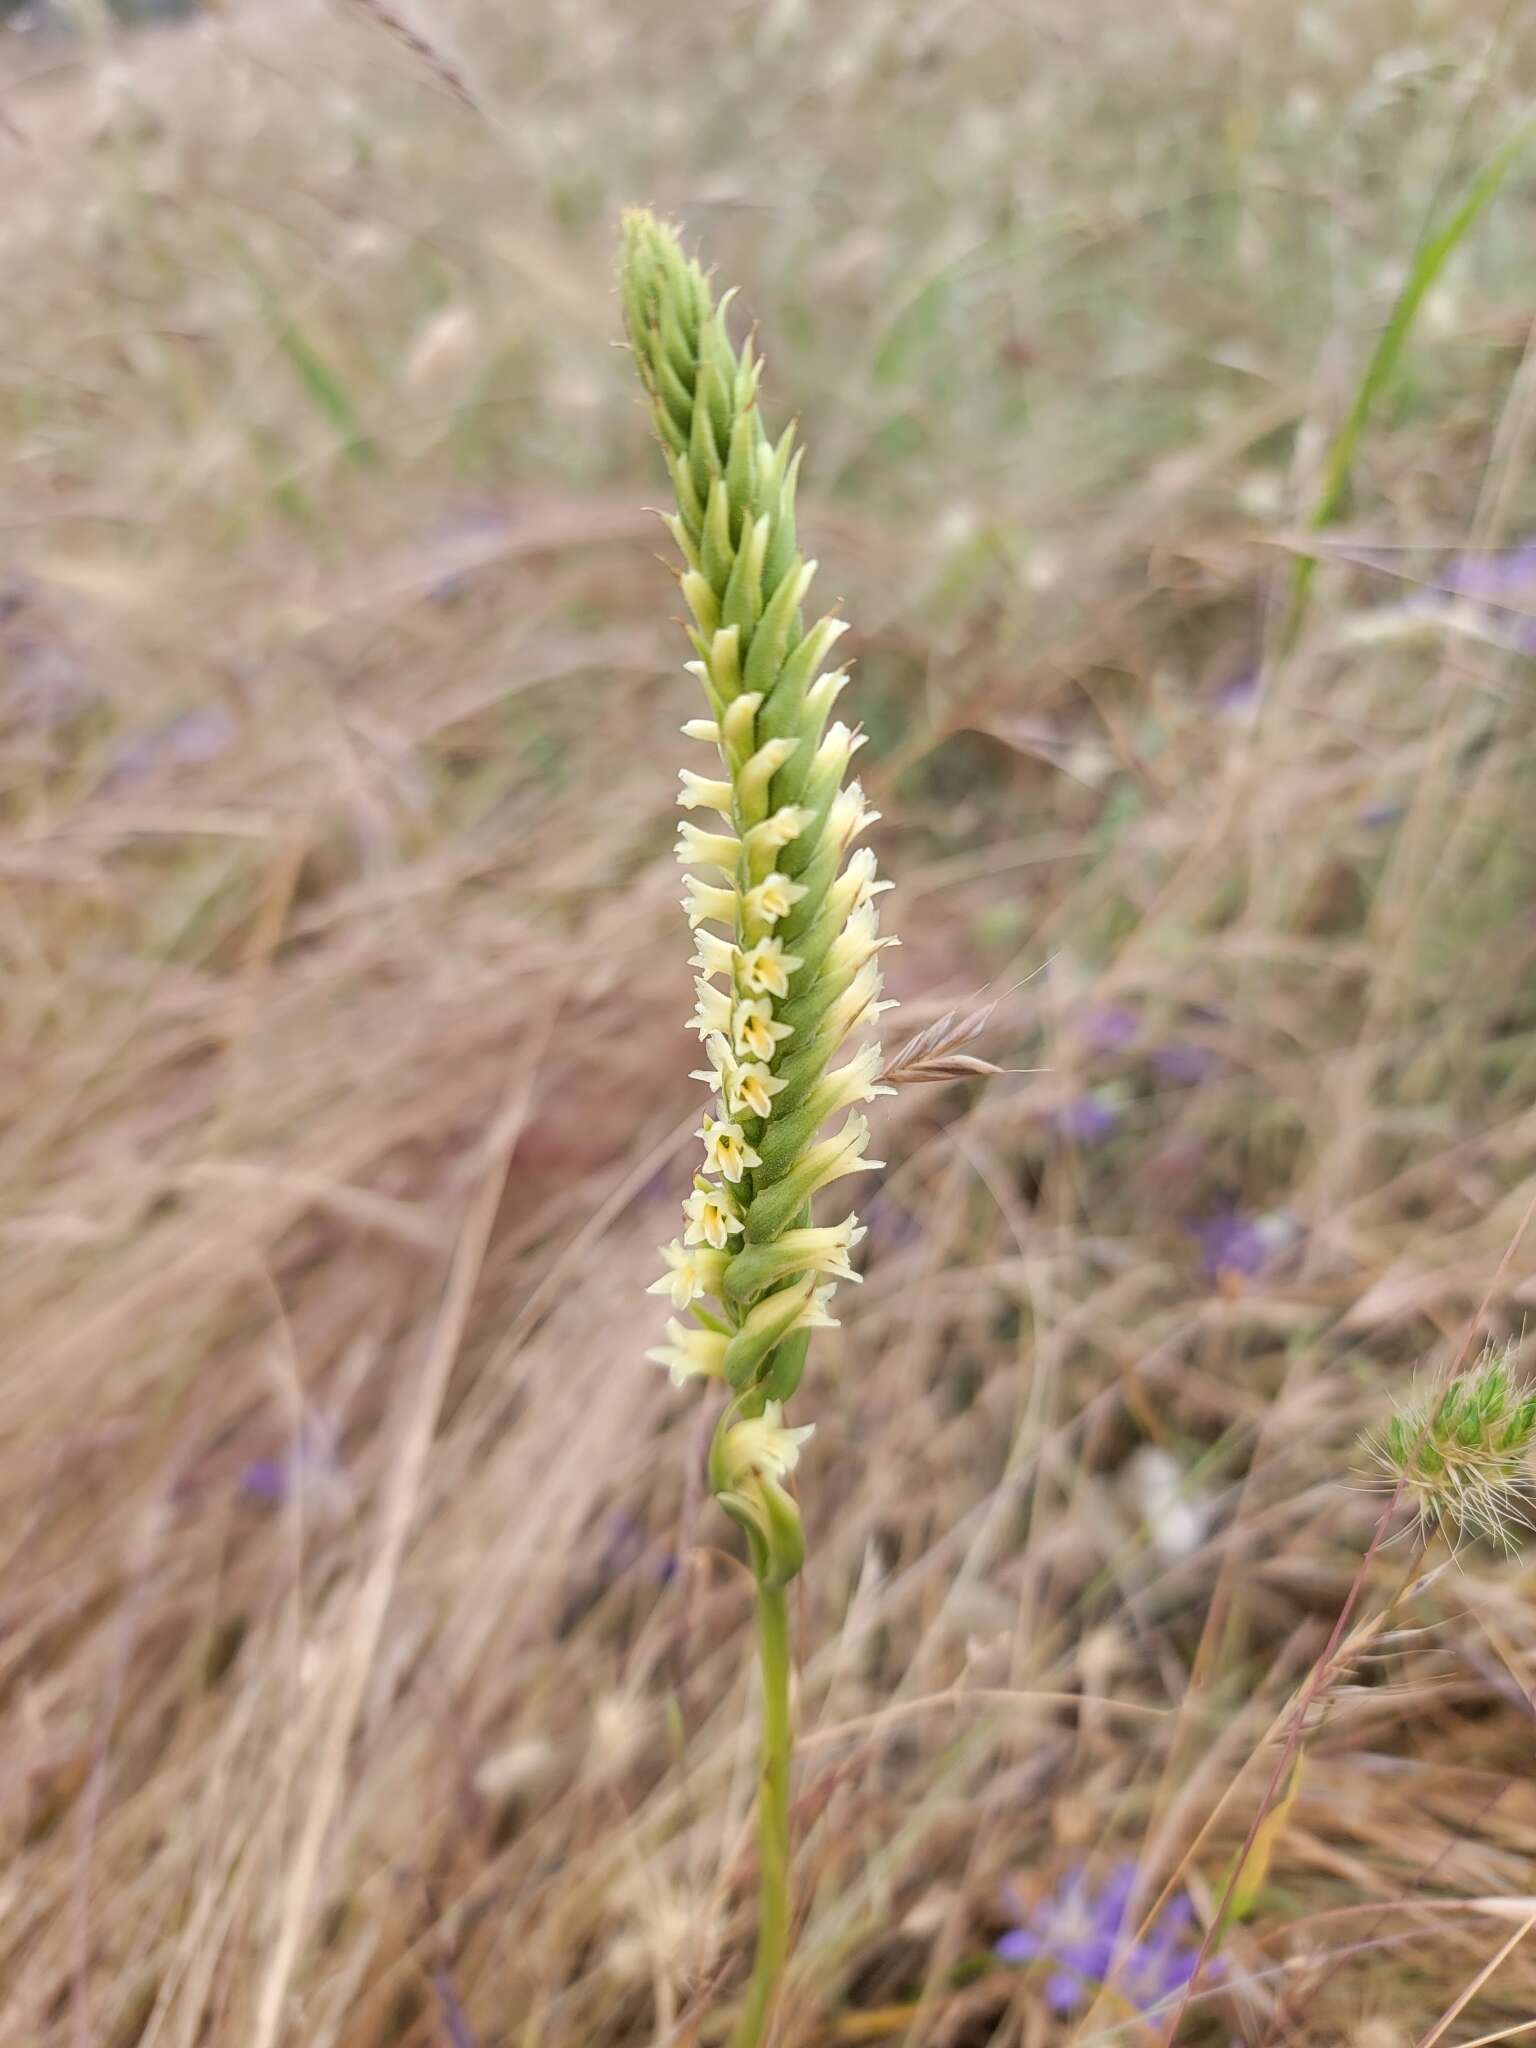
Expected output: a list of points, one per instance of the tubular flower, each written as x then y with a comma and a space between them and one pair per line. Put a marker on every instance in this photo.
691, 1354
781, 905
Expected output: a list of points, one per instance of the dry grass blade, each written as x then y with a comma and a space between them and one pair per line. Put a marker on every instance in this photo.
430, 55
935, 1053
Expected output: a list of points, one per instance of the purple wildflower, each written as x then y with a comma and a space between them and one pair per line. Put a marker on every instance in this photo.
1379, 815
265, 1479
1502, 575
1234, 1244
1087, 1119
626, 1544
310, 1468
1184, 1064
1081, 1932
1238, 697
1108, 1027
1230, 1243
188, 741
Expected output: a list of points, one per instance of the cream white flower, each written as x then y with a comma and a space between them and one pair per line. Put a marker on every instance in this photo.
814, 1315
762, 1448
856, 1005
712, 1011
712, 1215
825, 1248
720, 1074
855, 885
704, 792
753, 1088
848, 816
745, 1087
766, 968
707, 849
776, 832
858, 1081
826, 690
858, 941
773, 898
715, 955
702, 729
726, 1149
702, 900
838, 746
756, 1032
691, 1354
690, 1273
842, 1153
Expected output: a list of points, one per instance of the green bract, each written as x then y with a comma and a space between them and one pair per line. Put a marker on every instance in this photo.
782, 905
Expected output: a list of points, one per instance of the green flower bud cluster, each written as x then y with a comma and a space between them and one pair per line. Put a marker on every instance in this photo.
1463, 1456
781, 901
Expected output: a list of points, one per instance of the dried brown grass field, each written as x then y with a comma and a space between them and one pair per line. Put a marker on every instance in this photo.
373, 1673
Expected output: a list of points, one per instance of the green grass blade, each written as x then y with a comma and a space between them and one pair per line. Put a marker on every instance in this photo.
321, 383
1434, 252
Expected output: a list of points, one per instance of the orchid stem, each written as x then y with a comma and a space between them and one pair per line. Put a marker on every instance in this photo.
772, 1819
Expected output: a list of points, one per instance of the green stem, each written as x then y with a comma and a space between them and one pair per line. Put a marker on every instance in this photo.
772, 1818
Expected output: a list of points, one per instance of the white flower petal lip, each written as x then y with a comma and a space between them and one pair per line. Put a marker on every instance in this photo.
858, 940
706, 792
722, 1073
839, 744
761, 1447
754, 1087
826, 689
857, 1081
715, 955
757, 1033
776, 832
848, 816
691, 1273
713, 1010
774, 897
707, 849
690, 1354
703, 900
766, 968
726, 1149
712, 1216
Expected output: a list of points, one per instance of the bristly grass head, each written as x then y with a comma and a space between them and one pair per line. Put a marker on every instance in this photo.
1462, 1456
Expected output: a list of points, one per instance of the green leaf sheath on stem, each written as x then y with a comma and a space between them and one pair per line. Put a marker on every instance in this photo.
772, 1819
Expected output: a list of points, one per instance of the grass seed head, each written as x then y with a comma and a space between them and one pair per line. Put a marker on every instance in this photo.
1462, 1456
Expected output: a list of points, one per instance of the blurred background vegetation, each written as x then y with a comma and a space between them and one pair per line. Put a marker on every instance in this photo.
371, 1670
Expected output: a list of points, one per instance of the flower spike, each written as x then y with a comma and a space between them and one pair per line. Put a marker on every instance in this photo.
786, 947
